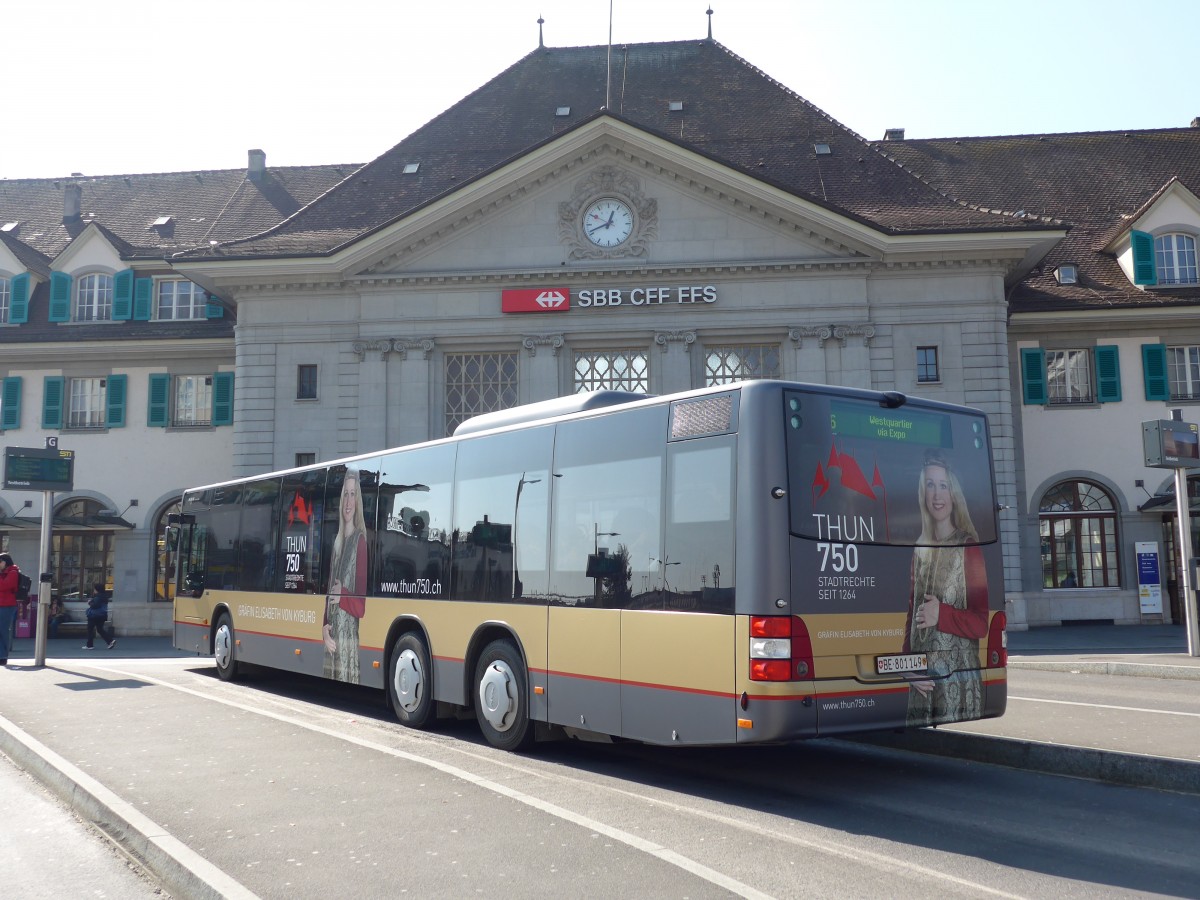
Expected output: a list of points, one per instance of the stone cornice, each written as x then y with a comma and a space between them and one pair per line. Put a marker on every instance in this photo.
823, 333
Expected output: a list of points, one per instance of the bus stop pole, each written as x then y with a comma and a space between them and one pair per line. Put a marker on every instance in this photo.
43, 604
1183, 520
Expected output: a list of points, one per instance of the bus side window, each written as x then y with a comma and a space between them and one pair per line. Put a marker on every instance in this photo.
698, 571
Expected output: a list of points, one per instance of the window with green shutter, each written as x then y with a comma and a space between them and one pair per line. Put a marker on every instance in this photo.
10, 403
60, 297
158, 412
53, 388
122, 308
143, 299
1108, 374
114, 413
1033, 375
1154, 372
222, 398
1144, 271
18, 310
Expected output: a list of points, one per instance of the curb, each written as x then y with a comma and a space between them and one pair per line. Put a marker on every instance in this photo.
180, 870
1128, 769
1102, 667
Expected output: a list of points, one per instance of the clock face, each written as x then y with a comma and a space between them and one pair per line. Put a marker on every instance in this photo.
607, 222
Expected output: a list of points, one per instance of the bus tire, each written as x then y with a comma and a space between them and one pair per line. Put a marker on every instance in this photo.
502, 697
225, 649
410, 682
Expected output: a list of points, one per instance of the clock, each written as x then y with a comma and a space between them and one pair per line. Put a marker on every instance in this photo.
607, 222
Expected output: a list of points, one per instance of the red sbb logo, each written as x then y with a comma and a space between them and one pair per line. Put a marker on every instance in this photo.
525, 300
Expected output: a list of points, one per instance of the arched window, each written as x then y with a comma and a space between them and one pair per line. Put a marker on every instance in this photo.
93, 298
81, 553
1078, 523
1175, 258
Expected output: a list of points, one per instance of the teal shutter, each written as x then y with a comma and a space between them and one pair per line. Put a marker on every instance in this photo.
60, 297
117, 390
1144, 271
1108, 374
159, 410
1154, 372
222, 398
143, 298
214, 310
1033, 375
10, 403
18, 310
122, 308
53, 387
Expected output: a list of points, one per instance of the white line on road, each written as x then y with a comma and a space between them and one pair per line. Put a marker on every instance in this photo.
1161, 712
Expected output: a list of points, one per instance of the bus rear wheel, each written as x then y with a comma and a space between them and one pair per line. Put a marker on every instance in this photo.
410, 682
502, 697
224, 645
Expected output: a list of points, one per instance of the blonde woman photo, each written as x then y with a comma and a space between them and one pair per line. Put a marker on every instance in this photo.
346, 601
948, 604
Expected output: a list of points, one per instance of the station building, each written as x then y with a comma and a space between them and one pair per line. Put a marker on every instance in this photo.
665, 218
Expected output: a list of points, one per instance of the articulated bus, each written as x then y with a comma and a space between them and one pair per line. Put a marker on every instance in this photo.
756, 562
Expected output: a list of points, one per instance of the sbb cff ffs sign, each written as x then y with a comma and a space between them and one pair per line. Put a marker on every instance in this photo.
33, 469
535, 300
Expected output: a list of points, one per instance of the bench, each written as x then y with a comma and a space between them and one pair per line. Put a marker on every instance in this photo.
76, 621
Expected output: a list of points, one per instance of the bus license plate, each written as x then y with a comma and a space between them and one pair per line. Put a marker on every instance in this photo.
888, 665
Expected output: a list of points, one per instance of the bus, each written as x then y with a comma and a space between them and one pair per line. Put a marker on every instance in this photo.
764, 561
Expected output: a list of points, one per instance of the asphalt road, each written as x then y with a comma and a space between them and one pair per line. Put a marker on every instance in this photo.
281, 789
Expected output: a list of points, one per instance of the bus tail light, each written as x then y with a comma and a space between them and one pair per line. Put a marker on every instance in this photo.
997, 643
780, 649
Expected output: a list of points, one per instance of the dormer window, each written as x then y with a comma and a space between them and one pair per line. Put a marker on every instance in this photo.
1175, 259
1067, 274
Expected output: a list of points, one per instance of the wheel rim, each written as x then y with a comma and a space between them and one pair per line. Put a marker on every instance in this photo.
223, 646
498, 696
408, 681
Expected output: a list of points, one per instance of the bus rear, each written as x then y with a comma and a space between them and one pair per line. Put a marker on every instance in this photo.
895, 601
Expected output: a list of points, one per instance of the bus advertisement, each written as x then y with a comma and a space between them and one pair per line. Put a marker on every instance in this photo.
756, 562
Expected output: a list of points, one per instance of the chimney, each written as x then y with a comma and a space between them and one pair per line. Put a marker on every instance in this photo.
1196, 123
893, 134
257, 165
72, 202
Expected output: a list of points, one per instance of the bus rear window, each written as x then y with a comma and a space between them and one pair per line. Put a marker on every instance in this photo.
861, 473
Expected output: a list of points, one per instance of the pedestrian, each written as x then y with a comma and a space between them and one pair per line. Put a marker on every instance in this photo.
97, 615
9, 578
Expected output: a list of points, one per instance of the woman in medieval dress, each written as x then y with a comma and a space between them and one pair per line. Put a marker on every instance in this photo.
948, 607
346, 602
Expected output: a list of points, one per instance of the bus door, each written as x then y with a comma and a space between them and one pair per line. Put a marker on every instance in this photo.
677, 638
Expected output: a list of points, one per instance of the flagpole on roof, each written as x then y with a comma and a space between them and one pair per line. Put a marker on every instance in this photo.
608, 70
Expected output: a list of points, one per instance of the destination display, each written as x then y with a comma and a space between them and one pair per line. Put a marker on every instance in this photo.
35, 469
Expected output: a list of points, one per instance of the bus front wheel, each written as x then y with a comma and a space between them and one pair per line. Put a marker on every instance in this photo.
502, 697
410, 682
224, 654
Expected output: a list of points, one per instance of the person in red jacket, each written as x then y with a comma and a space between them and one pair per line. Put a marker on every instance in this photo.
947, 613
8, 604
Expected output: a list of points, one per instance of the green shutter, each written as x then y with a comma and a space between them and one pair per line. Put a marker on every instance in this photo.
1154, 372
60, 297
52, 401
143, 297
117, 390
122, 308
1033, 375
159, 410
18, 310
1143, 258
222, 398
10, 403
214, 310
1108, 374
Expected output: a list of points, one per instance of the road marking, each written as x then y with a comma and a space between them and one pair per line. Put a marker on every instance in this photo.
1161, 712
882, 861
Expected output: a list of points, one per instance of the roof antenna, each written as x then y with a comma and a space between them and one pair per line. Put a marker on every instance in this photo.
541, 43
608, 72
709, 14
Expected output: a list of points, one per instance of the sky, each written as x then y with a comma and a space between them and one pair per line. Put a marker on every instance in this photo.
107, 87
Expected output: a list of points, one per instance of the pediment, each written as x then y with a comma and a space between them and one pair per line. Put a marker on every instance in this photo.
90, 248
686, 211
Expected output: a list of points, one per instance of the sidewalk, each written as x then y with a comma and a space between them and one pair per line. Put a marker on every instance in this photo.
1147, 651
